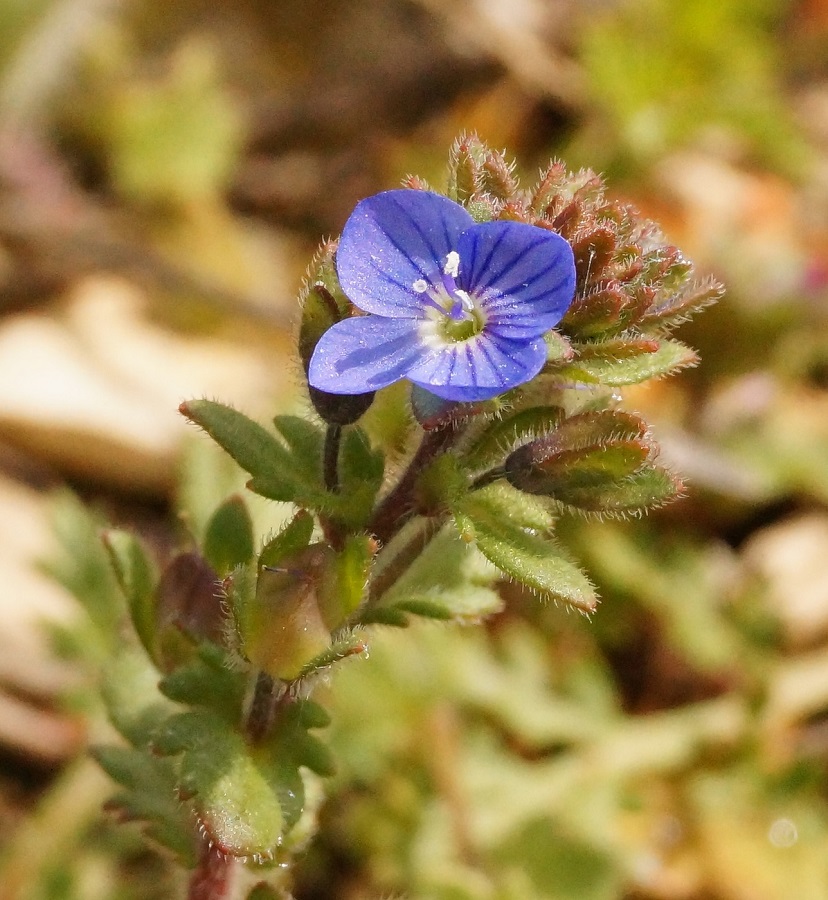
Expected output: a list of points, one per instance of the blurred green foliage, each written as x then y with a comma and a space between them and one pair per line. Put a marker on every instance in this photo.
665, 75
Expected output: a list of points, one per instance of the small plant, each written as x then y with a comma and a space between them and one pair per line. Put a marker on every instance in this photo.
463, 355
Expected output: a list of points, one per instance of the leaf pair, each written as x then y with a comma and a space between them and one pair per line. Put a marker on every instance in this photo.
287, 465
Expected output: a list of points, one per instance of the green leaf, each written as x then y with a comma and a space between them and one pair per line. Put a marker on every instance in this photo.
130, 694
137, 579
671, 356
254, 449
294, 746
279, 470
150, 797
228, 540
495, 519
503, 435
234, 788
305, 440
207, 681
649, 488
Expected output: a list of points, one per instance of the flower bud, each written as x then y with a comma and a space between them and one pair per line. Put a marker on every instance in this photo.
323, 305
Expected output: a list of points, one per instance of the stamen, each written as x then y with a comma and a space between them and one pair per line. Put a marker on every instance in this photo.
452, 266
466, 300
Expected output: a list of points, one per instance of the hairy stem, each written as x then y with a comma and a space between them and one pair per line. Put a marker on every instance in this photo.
398, 506
422, 534
261, 709
333, 439
213, 876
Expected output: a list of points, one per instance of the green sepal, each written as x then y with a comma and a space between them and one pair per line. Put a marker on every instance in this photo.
137, 579
559, 349
343, 581
323, 305
438, 485
350, 644
279, 625
562, 471
292, 539
597, 312
631, 364
498, 177
207, 681
310, 714
503, 435
234, 788
149, 798
228, 539
323, 302
649, 488
494, 517
595, 429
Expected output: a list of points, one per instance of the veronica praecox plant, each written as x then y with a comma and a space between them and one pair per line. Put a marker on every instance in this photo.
515, 316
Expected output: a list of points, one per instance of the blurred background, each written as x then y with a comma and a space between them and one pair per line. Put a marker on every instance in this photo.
166, 171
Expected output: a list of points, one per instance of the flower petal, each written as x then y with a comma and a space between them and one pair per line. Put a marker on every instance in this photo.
392, 240
479, 368
522, 275
364, 354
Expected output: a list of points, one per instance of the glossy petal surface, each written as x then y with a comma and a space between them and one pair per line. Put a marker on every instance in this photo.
479, 368
522, 276
392, 240
364, 354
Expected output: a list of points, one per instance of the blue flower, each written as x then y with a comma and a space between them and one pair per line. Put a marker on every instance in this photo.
456, 307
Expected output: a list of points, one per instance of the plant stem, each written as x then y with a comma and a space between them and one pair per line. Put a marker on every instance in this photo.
261, 710
423, 532
333, 439
398, 506
213, 877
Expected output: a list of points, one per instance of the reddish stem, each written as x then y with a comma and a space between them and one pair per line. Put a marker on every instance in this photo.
213, 877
